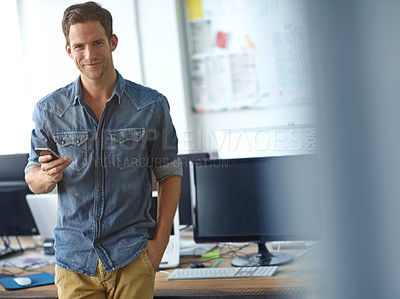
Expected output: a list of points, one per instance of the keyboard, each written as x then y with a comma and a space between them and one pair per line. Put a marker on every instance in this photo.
223, 272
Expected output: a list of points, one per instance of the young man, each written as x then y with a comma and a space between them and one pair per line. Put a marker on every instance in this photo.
110, 134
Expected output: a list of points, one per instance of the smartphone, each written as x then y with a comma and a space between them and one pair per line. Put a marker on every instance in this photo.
42, 151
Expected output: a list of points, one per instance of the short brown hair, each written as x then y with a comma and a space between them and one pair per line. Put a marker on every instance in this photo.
84, 12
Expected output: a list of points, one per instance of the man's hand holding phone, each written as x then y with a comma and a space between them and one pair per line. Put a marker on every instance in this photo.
52, 164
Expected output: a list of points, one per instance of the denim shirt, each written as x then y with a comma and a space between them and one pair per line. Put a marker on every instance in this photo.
104, 196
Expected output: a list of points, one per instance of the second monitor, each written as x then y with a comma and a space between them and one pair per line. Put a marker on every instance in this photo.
185, 209
185, 206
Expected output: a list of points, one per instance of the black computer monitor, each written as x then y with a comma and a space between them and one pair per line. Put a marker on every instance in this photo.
185, 205
256, 199
15, 216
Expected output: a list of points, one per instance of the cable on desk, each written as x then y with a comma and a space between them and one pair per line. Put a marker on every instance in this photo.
233, 252
185, 227
308, 250
230, 254
7, 246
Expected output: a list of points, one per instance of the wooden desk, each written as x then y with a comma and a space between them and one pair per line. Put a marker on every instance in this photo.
47, 291
295, 280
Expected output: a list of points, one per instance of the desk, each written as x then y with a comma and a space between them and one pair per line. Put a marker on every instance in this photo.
295, 280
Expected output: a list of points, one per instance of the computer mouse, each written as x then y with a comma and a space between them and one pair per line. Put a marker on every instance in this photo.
23, 281
196, 265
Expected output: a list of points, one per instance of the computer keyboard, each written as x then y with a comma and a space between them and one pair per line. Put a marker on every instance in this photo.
223, 272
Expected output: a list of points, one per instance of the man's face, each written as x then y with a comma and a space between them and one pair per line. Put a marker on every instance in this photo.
90, 49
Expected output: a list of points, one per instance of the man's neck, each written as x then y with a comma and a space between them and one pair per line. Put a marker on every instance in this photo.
99, 90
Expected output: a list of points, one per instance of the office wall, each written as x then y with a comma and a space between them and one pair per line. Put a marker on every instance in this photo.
161, 56
205, 126
13, 97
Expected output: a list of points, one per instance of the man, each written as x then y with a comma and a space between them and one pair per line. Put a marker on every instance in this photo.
110, 134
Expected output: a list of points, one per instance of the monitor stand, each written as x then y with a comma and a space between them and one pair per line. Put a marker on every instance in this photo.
7, 251
263, 258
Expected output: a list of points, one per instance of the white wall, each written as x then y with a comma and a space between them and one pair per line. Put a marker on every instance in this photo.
206, 125
13, 133
161, 56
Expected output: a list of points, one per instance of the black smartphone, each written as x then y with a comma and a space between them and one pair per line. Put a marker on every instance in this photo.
43, 151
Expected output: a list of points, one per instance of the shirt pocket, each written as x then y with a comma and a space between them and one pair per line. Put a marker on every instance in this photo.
127, 147
75, 146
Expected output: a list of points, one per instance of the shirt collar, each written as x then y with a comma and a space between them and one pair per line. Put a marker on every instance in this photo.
118, 90
119, 87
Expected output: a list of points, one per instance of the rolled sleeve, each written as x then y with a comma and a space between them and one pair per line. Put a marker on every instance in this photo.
173, 168
30, 165
163, 150
39, 138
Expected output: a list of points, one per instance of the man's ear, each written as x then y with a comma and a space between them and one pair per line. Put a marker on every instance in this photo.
113, 42
68, 49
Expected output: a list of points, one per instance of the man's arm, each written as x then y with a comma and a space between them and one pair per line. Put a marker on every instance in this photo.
43, 179
168, 199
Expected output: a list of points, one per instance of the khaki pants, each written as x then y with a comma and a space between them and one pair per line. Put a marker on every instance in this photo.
135, 280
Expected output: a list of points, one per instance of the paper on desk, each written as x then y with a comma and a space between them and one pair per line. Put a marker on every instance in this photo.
189, 247
34, 260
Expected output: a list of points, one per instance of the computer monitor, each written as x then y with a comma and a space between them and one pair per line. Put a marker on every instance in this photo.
185, 205
256, 200
15, 216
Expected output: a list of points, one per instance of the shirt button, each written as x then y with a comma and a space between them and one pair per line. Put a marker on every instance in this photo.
63, 142
97, 244
78, 141
99, 190
99, 162
97, 219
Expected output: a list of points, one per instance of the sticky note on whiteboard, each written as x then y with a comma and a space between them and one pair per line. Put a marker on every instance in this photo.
194, 9
222, 39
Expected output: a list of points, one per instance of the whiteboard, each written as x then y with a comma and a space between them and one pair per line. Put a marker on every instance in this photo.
248, 53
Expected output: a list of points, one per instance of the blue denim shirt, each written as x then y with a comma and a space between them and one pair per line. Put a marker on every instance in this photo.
104, 196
